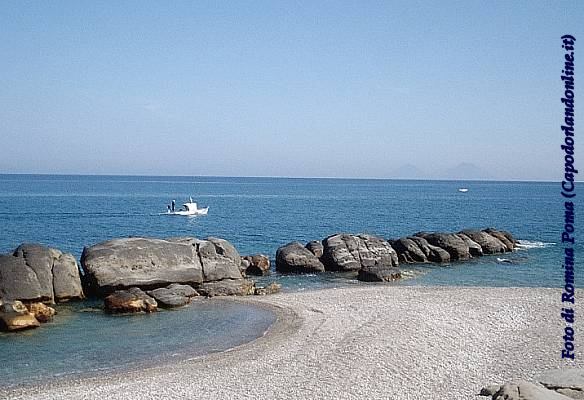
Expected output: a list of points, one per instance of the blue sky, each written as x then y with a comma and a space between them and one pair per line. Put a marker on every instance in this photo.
285, 88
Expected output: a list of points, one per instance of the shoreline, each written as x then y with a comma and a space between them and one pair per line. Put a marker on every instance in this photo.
357, 342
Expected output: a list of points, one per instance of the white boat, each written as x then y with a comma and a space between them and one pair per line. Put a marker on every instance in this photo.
189, 208
463, 190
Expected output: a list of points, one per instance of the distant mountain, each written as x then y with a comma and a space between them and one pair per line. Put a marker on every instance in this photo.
467, 171
408, 171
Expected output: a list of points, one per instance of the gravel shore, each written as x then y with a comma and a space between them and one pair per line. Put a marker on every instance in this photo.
378, 342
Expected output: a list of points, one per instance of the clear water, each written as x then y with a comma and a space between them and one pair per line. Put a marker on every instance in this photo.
258, 215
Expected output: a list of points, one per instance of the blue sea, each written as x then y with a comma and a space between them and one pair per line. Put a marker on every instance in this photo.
257, 215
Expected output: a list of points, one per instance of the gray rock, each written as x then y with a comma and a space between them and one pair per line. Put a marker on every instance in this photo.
344, 252
450, 242
408, 251
219, 258
295, 258
489, 390
227, 287
41, 274
572, 378
378, 273
141, 262
505, 237
174, 295
433, 253
66, 281
315, 248
571, 393
489, 244
132, 300
474, 248
258, 264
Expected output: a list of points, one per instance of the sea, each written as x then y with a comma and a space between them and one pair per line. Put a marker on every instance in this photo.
257, 215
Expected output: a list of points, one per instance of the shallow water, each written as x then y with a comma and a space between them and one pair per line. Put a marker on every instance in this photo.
82, 340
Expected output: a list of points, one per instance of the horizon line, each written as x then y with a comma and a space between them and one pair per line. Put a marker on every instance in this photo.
284, 177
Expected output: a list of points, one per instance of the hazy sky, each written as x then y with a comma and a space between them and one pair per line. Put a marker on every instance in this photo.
286, 88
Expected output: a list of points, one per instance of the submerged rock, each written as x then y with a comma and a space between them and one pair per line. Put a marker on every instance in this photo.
272, 288
258, 264
344, 252
14, 316
227, 287
132, 300
174, 295
38, 273
41, 311
378, 273
295, 258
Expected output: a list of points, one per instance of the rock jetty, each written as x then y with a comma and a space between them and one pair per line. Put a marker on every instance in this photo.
376, 259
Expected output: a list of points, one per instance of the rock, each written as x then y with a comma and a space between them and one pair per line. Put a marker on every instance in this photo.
66, 280
563, 379
140, 262
450, 242
244, 266
433, 253
227, 287
132, 300
505, 237
272, 288
259, 264
219, 258
489, 390
489, 244
378, 273
14, 316
295, 258
36, 273
316, 248
343, 252
408, 251
523, 390
174, 295
571, 393
474, 248
41, 311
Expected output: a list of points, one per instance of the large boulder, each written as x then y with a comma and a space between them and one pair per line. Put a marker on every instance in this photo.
141, 262
174, 295
344, 252
38, 273
432, 253
408, 251
132, 300
227, 287
295, 258
489, 244
315, 248
474, 248
219, 258
258, 264
378, 273
14, 316
505, 237
450, 242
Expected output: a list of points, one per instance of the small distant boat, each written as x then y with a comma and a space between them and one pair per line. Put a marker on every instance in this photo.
188, 209
463, 190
